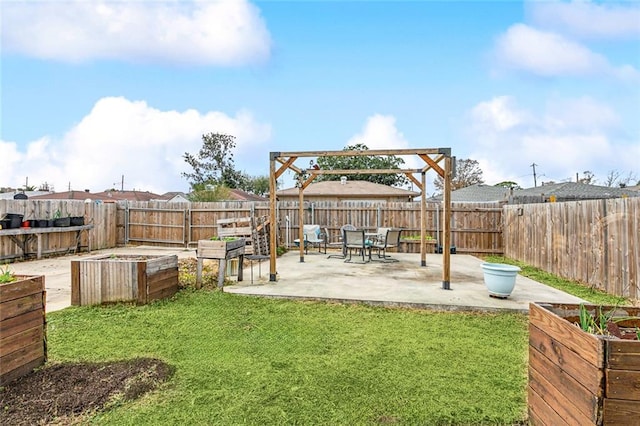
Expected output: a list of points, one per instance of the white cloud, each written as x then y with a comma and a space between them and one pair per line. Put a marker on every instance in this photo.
225, 33
498, 114
588, 19
122, 137
549, 54
380, 132
568, 136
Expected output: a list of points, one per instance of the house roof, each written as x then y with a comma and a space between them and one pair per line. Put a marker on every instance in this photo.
353, 188
9, 195
479, 193
128, 195
576, 190
240, 195
68, 195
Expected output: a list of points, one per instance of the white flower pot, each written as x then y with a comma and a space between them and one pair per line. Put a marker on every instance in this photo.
500, 279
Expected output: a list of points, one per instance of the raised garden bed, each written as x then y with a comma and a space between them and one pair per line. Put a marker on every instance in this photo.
222, 250
577, 377
23, 344
412, 245
219, 249
123, 278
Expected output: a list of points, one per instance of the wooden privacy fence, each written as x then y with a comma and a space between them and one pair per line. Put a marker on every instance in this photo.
476, 227
596, 242
101, 215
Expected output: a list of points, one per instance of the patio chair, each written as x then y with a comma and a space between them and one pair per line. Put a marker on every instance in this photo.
391, 240
339, 243
355, 240
312, 236
381, 234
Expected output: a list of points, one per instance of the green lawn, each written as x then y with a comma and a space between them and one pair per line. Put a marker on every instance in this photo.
243, 360
580, 290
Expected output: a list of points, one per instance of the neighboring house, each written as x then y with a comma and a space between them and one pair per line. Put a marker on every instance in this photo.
106, 196
173, 197
479, 193
240, 195
349, 190
10, 195
116, 195
67, 195
569, 191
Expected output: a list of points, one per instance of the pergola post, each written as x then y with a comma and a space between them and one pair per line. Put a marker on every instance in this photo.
423, 221
273, 224
446, 225
301, 221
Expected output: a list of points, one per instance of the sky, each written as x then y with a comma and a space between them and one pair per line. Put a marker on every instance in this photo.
111, 94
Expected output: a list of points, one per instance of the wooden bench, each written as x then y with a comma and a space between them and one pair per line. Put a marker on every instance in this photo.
22, 237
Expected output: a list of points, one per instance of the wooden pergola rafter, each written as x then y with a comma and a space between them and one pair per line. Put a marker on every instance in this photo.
437, 159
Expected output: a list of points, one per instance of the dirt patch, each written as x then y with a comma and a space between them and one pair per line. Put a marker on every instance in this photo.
63, 393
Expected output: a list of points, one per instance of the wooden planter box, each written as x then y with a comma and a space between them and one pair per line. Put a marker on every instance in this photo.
223, 251
413, 246
580, 378
23, 345
123, 278
220, 249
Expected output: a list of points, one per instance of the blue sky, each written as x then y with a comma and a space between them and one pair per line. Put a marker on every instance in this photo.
94, 90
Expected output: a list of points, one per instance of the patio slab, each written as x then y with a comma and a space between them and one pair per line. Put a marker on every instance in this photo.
404, 283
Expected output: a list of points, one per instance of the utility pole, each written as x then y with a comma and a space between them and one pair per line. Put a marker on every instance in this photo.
535, 182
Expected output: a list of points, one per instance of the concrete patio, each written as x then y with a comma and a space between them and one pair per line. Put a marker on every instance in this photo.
404, 283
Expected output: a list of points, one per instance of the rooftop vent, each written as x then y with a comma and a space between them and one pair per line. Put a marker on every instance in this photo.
343, 180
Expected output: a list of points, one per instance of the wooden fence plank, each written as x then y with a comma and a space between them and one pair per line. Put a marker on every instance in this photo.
595, 242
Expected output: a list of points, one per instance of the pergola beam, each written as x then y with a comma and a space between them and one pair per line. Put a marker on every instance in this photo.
364, 153
361, 171
288, 164
433, 164
413, 179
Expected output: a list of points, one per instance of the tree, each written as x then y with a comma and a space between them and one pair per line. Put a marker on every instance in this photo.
213, 167
370, 162
616, 178
588, 177
258, 185
214, 162
468, 173
508, 184
208, 192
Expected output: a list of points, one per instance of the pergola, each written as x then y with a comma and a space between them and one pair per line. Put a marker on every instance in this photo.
436, 159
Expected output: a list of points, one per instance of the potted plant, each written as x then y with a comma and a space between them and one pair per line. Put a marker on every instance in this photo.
584, 364
60, 221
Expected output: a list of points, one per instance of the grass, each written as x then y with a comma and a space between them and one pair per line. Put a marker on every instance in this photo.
243, 360
572, 287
